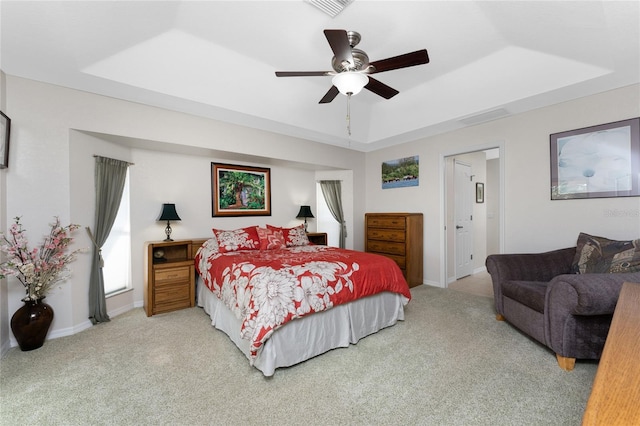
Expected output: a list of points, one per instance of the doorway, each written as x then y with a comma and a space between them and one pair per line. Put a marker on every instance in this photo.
472, 228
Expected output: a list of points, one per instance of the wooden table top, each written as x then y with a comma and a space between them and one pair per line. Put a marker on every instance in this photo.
615, 397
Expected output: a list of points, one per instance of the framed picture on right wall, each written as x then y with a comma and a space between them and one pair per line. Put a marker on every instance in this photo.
600, 161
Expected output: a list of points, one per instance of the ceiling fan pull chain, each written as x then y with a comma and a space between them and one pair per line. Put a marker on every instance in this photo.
349, 113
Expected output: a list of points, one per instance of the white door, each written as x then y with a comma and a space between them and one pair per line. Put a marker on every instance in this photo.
464, 198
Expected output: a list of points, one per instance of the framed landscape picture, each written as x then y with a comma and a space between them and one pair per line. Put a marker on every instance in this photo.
596, 162
401, 173
240, 190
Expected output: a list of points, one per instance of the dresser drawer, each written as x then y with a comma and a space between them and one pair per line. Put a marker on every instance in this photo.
396, 222
386, 247
171, 275
401, 261
386, 234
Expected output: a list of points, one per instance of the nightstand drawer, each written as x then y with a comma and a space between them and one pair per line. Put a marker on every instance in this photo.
178, 293
171, 275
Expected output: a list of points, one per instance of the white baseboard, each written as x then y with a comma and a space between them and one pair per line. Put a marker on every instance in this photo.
58, 333
69, 331
5, 347
478, 270
475, 271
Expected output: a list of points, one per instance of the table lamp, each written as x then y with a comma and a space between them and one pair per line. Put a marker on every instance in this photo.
168, 213
305, 212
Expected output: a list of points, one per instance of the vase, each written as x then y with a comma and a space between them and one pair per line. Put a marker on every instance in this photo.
30, 324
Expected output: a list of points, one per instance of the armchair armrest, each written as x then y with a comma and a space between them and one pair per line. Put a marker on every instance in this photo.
595, 294
573, 304
527, 267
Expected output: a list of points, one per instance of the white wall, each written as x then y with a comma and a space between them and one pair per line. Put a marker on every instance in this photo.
532, 221
4, 307
56, 131
492, 201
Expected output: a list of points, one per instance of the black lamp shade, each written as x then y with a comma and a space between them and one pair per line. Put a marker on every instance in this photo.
305, 211
169, 212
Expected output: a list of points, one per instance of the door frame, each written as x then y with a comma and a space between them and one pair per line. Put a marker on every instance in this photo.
500, 145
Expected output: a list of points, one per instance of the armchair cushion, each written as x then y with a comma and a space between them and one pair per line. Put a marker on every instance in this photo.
602, 255
540, 267
529, 293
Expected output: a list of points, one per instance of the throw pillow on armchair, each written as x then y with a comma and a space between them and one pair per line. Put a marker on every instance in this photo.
602, 255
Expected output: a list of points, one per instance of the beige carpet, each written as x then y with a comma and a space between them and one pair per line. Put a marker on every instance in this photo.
449, 363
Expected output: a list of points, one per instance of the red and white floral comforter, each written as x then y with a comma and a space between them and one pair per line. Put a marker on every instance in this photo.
267, 288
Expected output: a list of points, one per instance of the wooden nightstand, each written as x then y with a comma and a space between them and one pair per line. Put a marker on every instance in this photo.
169, 276
319, 238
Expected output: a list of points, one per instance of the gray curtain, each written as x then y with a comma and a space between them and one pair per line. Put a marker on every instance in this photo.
332, 191
110, 177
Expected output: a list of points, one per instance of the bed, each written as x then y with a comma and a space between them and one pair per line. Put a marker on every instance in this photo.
283, 300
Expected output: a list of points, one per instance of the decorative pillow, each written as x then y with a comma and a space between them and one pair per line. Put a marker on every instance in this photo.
237, 239
293, 236
270, 239
601, 255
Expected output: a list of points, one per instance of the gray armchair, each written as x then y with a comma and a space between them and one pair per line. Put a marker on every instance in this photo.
567, 312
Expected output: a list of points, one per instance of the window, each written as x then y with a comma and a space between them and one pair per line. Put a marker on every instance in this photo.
116, 251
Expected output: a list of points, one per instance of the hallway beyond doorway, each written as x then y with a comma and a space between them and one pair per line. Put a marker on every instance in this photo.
478, 284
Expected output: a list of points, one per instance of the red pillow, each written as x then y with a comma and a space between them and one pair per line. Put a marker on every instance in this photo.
293, 236
237, 239
270, 239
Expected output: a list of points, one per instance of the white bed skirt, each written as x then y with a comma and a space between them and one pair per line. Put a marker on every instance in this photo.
306, 337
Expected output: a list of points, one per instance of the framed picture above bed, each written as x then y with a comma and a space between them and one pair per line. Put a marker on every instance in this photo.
240, 190
596, 162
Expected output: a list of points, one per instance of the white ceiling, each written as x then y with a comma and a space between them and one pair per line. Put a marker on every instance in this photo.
217, 59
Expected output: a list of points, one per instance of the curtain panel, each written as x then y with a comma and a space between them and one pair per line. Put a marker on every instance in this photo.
110, 176
332, 192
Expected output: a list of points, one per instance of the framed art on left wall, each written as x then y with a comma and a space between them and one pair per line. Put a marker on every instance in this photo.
5, 130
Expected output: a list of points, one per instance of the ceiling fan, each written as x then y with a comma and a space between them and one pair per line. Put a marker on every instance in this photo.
352, 69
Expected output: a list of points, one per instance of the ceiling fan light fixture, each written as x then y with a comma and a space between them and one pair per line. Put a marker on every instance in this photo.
350, 82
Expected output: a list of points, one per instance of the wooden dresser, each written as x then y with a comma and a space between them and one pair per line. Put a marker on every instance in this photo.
397, 236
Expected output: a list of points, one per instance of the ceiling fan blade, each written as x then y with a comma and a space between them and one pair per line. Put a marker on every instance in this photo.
302, 73
418, 57
380, 88
339, 43
331, 95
